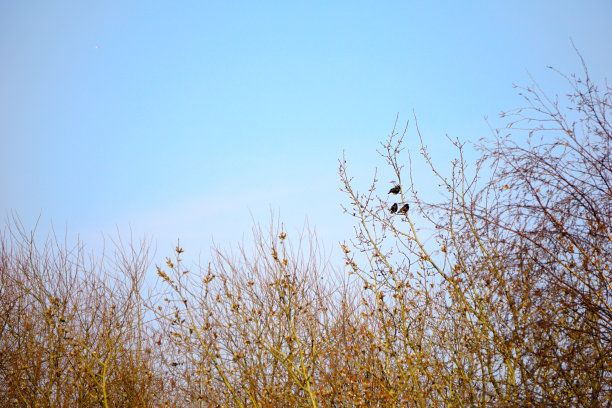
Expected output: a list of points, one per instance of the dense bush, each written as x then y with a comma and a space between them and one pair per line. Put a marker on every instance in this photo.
497, 294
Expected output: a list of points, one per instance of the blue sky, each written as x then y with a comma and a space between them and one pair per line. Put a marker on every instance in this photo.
192, 119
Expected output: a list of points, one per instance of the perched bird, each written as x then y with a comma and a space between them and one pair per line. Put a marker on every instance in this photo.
404, 209
395, 190
393, 208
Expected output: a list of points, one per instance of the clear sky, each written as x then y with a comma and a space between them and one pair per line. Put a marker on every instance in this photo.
188, 120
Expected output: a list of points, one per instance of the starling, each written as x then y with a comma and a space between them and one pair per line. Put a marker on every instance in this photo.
393, 208
395, 190
404, 209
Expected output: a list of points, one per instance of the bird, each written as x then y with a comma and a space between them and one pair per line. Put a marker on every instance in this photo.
404, 209
395, 190
393, 208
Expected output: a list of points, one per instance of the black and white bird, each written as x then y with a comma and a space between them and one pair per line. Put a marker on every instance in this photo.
404, 209
395, 190
393, 208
